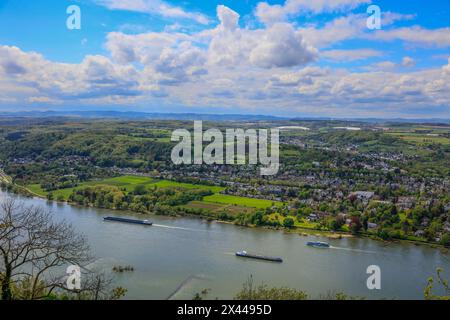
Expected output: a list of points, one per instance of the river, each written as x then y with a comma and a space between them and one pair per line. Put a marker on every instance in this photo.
178, 257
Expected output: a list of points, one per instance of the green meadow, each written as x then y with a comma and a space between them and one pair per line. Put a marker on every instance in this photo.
129, 182
64, 193
213, 207
241, 201
168, 184
125, 182
423, 135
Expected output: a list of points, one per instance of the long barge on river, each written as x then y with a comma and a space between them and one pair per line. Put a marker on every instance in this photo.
245, 254
126, 220
318, 244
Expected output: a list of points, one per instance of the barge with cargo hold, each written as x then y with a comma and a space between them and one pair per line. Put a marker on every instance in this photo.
245, 254
318, 244
127, 220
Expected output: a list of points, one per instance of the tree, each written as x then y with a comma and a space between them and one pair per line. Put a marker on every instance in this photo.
383, 234
288, 222
33, 251
140, 189
365, 222
355, 225
337, 223
428, 292
445, 239
263, 292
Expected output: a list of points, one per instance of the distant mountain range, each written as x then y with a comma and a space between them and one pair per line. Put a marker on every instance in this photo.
135, 115
141, 115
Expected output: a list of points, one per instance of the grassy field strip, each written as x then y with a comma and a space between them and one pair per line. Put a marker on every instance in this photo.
241, 201
168, 183
416, 137
230, 209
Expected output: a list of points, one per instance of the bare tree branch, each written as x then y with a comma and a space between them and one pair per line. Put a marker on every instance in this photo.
34, 251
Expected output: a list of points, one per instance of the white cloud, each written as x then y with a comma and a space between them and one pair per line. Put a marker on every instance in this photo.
446, 68
42, 100
279, 45
351, 26
269, 14
304, 76
94, 77
416, 35
29, 78
143, 48
383, 66
350, 55
228, 18
408, 62
276, 46
158, 7
335, 31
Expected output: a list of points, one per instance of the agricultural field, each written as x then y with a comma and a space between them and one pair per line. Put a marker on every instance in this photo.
230, 209
128, 183
421, 138
126, 180
58, 194
422, 134
168, 184
241, 201
215, 204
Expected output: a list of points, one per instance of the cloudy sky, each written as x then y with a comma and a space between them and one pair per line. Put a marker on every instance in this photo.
279, 57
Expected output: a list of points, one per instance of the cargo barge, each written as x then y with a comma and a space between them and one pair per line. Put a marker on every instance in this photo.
126, 220
318, 244
245, 254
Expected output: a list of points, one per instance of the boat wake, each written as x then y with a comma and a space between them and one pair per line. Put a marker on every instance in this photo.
353, 250
177, 228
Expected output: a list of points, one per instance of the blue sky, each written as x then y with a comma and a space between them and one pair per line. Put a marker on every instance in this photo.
283, 57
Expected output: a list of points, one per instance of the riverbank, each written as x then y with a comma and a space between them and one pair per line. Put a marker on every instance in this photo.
4, 177
342, 235
295, 229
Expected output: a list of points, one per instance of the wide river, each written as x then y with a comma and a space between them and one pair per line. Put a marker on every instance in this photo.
178, 257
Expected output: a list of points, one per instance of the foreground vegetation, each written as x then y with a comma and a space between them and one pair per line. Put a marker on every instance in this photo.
250, 291
35, 250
